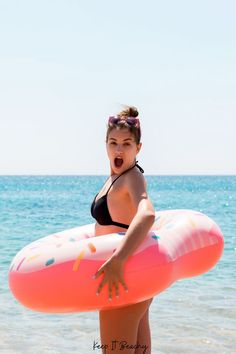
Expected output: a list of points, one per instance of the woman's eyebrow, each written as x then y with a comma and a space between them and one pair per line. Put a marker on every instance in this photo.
123, 140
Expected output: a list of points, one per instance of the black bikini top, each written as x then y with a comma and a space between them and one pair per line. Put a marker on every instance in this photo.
99, 208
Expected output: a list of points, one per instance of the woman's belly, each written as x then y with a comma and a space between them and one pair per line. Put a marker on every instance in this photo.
107, 229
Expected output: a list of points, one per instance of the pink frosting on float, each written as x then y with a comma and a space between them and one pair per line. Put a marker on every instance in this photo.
58, 277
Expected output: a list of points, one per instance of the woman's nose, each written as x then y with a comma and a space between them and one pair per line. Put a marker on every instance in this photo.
119, 148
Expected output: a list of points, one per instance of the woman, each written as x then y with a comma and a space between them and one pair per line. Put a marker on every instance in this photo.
125, 208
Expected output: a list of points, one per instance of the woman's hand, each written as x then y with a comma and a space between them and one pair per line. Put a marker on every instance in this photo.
113, 270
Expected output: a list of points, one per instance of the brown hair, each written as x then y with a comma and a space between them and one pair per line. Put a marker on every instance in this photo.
129, 111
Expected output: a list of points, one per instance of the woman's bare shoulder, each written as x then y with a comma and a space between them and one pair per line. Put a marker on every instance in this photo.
135, 180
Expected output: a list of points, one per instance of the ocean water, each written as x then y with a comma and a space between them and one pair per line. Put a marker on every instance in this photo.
196, 315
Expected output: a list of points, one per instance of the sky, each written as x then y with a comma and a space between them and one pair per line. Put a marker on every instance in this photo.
65, 66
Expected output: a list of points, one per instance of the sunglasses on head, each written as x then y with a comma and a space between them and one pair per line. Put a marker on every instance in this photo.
132, 121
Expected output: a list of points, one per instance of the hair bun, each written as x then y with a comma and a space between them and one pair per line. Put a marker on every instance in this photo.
133, 112
129, 111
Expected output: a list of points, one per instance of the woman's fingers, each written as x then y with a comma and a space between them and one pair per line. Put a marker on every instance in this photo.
112, 274
110, 287
122, 281
100, 286
117, 289
110, 291
98, 272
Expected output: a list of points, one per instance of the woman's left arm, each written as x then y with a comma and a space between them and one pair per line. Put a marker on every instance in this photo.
143, 220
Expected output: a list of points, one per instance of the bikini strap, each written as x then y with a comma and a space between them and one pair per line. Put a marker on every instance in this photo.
136, 164
139, 167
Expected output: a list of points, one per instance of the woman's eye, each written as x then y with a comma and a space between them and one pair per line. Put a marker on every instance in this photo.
114, 143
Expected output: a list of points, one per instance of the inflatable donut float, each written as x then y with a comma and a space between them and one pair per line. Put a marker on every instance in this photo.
54, 274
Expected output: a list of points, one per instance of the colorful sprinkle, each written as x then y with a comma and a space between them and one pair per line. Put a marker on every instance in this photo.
50, 261
33, 257
156, 237
77, 262
121, 233
92, 247
192, 223
72, 239
20, 263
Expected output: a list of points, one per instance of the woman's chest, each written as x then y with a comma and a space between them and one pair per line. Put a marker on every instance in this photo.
120, 208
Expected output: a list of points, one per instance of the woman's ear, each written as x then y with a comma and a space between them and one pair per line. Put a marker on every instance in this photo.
139, 147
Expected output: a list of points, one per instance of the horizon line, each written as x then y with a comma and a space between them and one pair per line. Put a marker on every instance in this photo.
100, 175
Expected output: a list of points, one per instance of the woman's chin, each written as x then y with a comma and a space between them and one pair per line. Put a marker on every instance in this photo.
117, 169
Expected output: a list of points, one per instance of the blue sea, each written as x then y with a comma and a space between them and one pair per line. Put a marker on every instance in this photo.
193, 316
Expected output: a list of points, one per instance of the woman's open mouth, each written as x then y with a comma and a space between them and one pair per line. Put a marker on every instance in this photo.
118, 162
